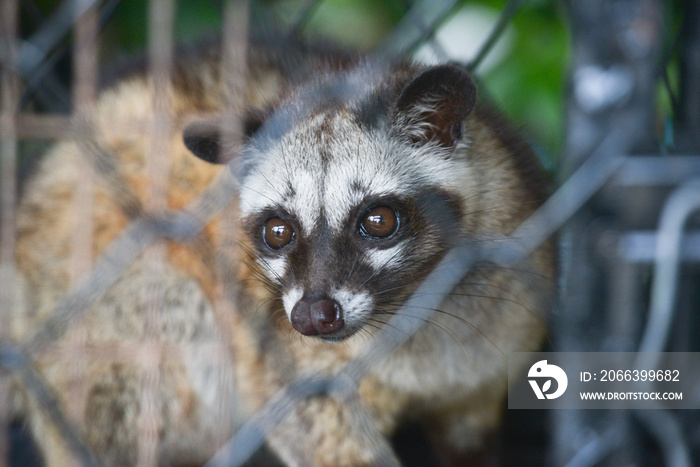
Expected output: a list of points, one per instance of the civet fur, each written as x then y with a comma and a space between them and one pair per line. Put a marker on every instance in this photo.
328, 138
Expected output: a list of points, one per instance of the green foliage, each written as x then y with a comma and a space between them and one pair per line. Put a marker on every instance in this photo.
528, 85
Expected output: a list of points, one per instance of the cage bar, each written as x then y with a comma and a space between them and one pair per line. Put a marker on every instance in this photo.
8, 169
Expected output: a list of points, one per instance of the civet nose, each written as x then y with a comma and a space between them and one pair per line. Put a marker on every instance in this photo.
317, 317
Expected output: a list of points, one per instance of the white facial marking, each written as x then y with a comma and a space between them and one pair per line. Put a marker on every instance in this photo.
275, 267
359, 161
307, 206
290, 298
391, 257
356, 306
306, 173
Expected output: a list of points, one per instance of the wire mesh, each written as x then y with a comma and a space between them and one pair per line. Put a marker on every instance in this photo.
599, 162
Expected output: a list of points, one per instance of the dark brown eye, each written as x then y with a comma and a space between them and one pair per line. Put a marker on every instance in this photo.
277, 233
379, 222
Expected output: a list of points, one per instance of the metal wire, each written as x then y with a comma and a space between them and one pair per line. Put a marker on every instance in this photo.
683, 202
507, 13
608, 164
14, 360
39, 75
419, 23
419, 307
8, 170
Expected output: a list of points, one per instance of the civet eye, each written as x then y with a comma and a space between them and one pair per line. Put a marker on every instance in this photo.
379, 222
277, 233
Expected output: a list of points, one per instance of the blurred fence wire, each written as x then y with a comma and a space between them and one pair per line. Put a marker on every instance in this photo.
608, 244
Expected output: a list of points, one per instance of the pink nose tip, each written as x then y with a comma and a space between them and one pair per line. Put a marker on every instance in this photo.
318, 317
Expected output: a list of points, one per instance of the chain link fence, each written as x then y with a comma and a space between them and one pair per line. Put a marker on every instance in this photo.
629, 249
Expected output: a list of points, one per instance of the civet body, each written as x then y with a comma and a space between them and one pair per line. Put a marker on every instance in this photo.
356, 177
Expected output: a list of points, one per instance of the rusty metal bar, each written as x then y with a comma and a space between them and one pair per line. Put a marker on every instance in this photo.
56, 126
8, 187
234, 72
86, 17
8, 133
42, 126
161, 18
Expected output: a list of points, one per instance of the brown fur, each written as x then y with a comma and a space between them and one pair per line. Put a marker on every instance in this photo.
252, 351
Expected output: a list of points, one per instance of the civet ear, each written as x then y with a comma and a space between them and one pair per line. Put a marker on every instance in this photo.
204, 138
433, 104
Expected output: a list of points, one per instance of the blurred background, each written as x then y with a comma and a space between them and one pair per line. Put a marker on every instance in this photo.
523, 72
